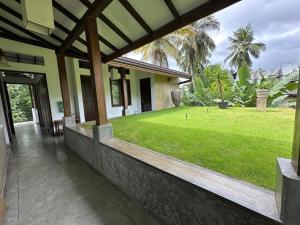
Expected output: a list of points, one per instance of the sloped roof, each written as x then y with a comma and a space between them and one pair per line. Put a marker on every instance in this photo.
123, 25
147, 67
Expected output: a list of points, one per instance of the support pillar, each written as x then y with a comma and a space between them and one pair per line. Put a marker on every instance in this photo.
124, 92
102, 130
63, 77
288, 177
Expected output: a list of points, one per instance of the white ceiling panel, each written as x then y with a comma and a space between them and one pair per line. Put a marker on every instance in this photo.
184, 6
117, 14
64, 20
155, 12
109, 34
13, 5
73, 6
79, 46
106, 50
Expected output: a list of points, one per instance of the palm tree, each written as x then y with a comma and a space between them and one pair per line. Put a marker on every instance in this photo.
195, 44
157, 52
243, 47
190, 46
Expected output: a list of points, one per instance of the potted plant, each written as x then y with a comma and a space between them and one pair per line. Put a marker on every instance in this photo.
222, 104
262, 93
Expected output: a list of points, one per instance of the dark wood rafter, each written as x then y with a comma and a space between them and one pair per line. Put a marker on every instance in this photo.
53, 36
12, 36
96, 70
46, 43
136, 15
110, 24
199, 12
76, 20
63, 77
172, 9
67, 31
96, 8
57, 24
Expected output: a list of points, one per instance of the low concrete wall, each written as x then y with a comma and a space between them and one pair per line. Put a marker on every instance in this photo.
175, 192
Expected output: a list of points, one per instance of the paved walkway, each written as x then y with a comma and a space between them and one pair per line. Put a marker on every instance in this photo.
47, 184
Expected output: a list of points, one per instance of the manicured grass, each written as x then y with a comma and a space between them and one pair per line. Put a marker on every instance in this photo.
239, 142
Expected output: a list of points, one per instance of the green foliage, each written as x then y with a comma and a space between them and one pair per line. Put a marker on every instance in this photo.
20, 100
197, 94
279, 92
219, 81
244, 75
265, 84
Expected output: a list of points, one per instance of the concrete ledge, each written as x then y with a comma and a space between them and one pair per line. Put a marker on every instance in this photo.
176, 192
288, 192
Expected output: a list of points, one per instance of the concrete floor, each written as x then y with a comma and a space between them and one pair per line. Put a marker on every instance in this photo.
48, 184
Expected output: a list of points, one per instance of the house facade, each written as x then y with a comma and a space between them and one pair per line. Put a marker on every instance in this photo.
149, 87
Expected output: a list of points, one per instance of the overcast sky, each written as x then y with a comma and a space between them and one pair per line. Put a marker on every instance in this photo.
276, 23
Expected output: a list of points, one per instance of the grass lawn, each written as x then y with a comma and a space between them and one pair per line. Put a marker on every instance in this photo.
239, 142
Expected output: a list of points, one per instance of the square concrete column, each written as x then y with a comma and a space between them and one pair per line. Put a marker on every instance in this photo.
103, 132
288, 192
69, 121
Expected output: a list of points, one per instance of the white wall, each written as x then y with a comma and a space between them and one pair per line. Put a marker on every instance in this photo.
75, 73
50, 69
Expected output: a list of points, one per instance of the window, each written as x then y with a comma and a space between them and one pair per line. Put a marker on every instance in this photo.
21, 58
84, 64
117, 94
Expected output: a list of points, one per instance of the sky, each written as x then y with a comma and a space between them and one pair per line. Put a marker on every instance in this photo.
276, 23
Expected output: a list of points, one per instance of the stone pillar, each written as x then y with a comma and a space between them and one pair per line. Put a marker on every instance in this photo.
287, 192
288, 178
261, 101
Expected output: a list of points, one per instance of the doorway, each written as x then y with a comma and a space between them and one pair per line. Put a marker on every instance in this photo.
145, 90
17, 88
87, 97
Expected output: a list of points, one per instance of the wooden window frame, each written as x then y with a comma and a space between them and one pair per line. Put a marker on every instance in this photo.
121, 94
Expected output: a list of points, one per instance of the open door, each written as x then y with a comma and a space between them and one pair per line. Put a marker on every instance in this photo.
145, 89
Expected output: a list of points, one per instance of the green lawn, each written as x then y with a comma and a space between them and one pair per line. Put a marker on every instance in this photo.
239, 142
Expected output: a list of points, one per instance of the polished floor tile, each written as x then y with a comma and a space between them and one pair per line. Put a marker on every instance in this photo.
48, 184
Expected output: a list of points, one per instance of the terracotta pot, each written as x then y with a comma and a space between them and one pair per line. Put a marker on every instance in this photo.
176, 97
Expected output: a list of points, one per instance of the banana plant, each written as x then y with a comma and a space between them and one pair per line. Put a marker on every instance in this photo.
282, 89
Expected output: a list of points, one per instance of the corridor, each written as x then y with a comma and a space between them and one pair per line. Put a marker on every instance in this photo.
47, 184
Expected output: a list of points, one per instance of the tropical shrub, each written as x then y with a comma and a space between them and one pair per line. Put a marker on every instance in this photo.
20, 101
197, 94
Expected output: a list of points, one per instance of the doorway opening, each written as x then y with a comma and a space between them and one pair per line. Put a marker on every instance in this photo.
145, 90
25, 98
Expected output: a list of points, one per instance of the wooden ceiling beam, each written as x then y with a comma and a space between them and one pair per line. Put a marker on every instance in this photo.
67, 31
76, 20
199, 12
12, 36
172, 9
57, 24
110, 24
94, 11
8, 22
136, 15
